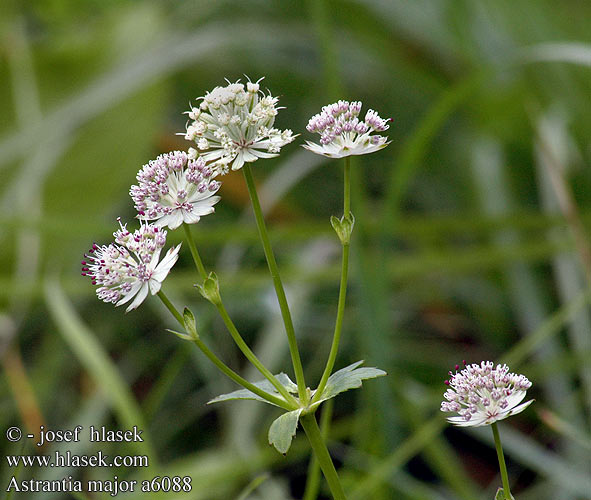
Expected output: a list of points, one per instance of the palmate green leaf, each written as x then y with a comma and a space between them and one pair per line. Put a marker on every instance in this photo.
347, 378
283, 429
265, 385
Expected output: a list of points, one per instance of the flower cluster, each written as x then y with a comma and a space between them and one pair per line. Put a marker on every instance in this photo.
234, 124
343, 134
174, 189
482, 394
129, 267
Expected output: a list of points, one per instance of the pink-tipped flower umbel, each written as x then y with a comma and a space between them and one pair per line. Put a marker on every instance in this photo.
342, 133
129, 267
174, 189
482, 394
234, 125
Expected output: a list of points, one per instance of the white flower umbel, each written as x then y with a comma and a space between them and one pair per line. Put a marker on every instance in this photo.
482, 394
129, 267
174, 189
234, 125
343, 134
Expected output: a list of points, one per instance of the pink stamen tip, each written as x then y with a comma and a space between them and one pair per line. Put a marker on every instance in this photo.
446, 382
457, 367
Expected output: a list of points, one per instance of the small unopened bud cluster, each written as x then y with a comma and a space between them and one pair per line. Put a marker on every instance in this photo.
129, 267
342, 133
482, 394
174, 189
233, 125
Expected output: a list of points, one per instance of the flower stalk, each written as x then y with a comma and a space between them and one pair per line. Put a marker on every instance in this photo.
502, 465
342, 290
196, 258
226, 370
231, 327
279, 290
252, 357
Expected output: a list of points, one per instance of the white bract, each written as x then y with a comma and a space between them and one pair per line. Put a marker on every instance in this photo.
343, 134
482, 394
234, 125
174, 189
129, 267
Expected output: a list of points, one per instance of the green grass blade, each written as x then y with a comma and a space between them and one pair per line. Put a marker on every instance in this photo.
96, 362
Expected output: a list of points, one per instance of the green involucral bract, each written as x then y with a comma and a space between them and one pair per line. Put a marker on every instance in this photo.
210, 289
189, 322
180, 335
343, 227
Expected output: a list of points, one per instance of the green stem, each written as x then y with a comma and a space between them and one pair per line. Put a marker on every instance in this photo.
196, 258
313, 476
169, 305
338, 326
280, 292
347, 187
503, 467
321, 453
334, 349
252, 357
220, 364
235, 334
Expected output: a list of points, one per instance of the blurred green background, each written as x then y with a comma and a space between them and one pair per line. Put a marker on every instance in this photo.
470, 240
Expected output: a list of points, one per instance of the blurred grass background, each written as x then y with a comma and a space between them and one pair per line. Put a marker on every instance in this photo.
468, 244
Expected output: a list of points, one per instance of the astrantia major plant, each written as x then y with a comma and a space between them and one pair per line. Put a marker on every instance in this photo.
232, 127
482, 395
